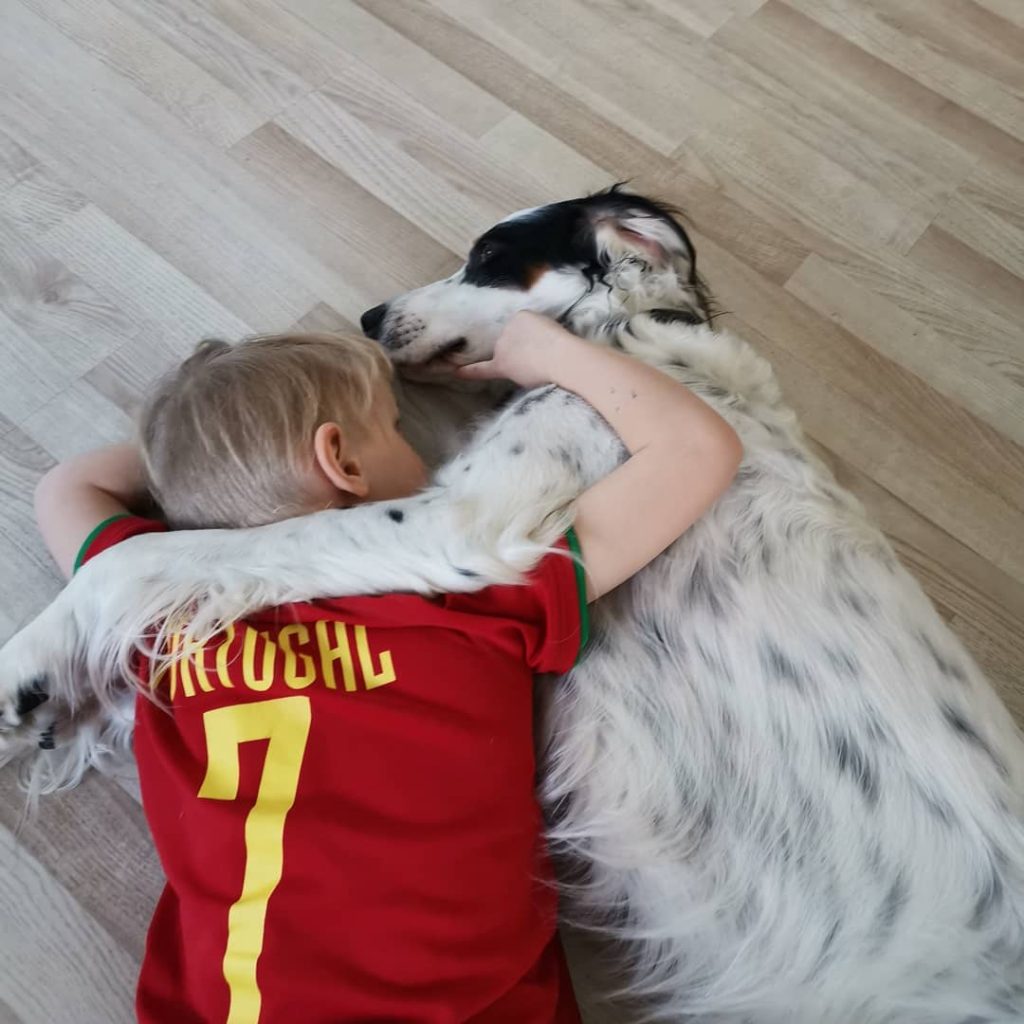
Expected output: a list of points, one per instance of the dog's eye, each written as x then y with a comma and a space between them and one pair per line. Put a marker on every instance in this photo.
486, 251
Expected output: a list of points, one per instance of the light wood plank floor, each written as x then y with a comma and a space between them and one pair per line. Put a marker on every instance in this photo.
176, 168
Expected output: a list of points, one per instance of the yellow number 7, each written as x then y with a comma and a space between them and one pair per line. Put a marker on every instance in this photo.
285, 723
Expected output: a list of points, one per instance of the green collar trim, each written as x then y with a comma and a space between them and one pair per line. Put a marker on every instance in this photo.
581, 589
93, 534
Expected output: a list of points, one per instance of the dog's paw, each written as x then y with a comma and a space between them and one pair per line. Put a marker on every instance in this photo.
31, 710
28, 718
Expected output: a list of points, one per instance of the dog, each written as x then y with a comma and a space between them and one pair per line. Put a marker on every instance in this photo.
777, 779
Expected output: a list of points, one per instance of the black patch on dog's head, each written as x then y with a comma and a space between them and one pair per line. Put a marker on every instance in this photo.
514, 253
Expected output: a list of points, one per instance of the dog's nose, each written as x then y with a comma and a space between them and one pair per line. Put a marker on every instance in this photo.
372, 319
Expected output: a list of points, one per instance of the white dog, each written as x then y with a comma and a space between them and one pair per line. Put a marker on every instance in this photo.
779, 778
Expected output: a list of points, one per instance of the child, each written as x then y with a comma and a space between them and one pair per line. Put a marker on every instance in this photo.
341, 792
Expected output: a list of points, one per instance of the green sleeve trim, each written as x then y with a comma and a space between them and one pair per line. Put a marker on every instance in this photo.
581, 589
93, 534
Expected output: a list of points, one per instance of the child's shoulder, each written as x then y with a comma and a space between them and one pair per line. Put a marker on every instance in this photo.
113, 531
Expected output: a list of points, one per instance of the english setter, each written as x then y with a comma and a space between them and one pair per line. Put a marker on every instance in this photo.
782, 782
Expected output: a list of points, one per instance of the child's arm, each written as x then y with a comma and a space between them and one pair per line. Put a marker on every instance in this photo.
683, 455
74, 497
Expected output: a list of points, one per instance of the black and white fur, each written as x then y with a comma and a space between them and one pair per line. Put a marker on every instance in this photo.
778, 777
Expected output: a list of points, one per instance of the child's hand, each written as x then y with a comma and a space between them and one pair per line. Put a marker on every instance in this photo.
527, 352
683, 455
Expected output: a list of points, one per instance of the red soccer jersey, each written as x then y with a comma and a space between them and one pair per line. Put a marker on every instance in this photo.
342, 797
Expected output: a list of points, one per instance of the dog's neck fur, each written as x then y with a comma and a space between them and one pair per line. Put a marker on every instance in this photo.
631, 286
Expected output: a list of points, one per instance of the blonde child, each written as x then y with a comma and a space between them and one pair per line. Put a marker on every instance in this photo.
341, 792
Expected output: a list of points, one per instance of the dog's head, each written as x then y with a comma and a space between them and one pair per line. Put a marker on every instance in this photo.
589, 262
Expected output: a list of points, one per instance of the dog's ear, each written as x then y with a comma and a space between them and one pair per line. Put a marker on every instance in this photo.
627, 225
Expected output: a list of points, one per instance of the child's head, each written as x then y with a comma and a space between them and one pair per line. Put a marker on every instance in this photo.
241, 435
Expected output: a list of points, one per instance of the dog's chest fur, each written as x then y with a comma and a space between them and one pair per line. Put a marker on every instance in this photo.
792, 790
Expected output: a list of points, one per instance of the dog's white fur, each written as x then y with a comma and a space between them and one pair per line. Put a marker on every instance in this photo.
777, 775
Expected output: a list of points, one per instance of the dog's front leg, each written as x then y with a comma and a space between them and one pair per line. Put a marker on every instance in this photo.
494, 511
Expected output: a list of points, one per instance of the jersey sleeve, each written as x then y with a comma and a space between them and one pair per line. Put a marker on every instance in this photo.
558, 590
543, 620
112, 531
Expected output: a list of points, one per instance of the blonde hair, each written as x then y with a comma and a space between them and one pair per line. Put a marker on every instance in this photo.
227, 438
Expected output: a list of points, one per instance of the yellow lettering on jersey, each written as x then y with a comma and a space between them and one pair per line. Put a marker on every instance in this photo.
371, 677
306, 659
221, 660
285, 723
339, 651
265, 679
195, 655
185, 674
292, 677
180, 669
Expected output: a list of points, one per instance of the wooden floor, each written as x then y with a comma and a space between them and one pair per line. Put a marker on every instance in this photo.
171, 169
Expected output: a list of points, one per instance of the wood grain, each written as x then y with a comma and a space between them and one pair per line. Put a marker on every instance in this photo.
851, 171
84, 975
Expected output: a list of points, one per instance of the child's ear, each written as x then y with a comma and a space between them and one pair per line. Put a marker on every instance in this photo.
338, 462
